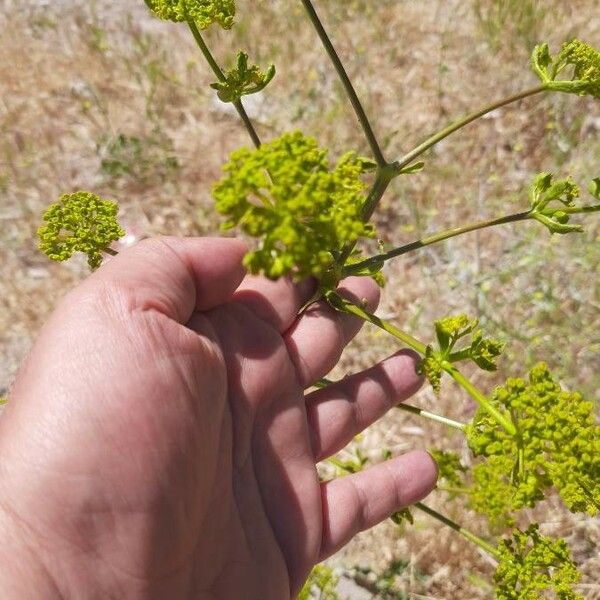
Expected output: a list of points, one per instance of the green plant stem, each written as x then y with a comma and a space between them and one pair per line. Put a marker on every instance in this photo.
452, 489
501, 418
350, 308
469, 535
239, 107
432, 416
450, 129
433, 239
343, 75
377, 259
382, 181
110, 251
581, 210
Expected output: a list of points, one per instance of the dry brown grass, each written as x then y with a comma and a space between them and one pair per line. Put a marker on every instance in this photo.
72, 80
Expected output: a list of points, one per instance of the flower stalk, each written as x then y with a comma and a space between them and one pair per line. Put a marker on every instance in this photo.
469, 535
216, 69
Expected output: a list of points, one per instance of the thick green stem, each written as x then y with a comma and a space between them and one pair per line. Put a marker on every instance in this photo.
348, 307
216, 69
450, 129
501, 418
469, 535
378, 189
343, 75
432, 416
433, 239
110, 251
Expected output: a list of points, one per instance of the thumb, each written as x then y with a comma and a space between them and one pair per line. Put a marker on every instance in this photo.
175, 276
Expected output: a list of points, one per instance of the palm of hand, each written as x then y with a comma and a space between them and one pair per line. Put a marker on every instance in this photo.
182, 457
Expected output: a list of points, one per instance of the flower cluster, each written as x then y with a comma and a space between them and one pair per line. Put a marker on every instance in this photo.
449, 467
79, 222
243, 80
557, 445
584, 61
300, 207
203, 12
530, 564
449, 331
548, 200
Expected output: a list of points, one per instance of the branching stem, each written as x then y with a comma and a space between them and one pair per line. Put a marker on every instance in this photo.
407, 159
350, 308
349, 88
469, 535
378, 259
216, 69
480, 398
432, 416
433, 239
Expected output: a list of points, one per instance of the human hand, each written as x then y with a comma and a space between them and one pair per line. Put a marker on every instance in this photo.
158, 442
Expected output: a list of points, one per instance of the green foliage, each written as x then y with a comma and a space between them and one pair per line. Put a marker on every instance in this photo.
449, 331
3, 400
578, 58
490, 492
403, 516
353, 464
449, 467
79, 222
374, 269
594, 188
530, 564
322, 581
203, 12
557, 445
243, 80
548, 199
302, 209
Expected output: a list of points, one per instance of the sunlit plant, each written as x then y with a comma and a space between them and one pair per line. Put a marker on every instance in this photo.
310, 212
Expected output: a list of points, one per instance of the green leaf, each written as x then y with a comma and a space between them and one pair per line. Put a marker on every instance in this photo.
373, 269
549, 197
243, 80
403, 516
581, 63
450, 329
594, 188
541, 60
416, 168
485, 351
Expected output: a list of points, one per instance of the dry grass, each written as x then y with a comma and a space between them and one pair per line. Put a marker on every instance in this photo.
79, 87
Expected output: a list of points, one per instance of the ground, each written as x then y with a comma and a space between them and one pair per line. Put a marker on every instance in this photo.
101, 96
